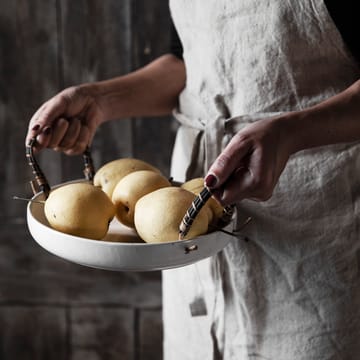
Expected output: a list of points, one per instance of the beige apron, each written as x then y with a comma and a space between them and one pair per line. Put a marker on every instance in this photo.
292, 291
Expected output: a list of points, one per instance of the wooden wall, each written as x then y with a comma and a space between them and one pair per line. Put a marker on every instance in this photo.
49, 308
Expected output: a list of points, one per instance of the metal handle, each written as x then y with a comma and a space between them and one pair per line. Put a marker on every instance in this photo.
40, 179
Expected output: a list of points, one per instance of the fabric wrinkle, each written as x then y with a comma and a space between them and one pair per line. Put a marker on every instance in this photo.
316, 311
290, 291
217, 320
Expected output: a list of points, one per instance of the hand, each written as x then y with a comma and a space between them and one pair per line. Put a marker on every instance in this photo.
68, 121
251, 164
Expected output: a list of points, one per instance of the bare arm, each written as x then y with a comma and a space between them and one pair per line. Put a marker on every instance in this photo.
150, 91
68, 121
332, 121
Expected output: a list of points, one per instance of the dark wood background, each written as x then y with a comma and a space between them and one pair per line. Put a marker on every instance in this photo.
49, 308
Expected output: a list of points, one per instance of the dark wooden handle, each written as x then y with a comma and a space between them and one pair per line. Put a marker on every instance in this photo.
40, 178
190, 215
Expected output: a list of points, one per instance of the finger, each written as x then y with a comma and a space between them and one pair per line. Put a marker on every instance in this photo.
238, 187
34, 127
59, 130
72, 134
232, 157
81, 142
44, 138
91, 122
255, 182
92, 130
46, 115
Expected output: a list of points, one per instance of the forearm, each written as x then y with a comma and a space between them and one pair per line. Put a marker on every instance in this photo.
150, 91
336, 120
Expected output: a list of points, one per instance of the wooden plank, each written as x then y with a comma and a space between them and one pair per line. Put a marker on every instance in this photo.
33, 333
29, 73
30, 275
95, 46
88, 41
151, 335
153, 137
102, 333
95, 39
49, 45
150, 30
154, 140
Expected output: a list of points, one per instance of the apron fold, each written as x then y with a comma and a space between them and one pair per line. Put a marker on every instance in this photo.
292, 291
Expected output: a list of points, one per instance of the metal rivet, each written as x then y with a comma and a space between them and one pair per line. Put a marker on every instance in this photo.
188, 249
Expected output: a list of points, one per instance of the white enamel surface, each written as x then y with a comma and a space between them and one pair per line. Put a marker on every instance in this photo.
109, 254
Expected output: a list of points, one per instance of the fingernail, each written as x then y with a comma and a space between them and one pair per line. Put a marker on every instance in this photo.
47, 130
36, 127
211, 180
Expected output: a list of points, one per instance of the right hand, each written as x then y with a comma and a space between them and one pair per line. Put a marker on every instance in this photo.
250, 165
68, 121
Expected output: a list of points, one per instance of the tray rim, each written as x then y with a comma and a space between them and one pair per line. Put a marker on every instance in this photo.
185, 246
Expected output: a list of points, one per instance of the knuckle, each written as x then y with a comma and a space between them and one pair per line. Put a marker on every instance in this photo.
242, 139
222, 161
80, 146
65, 144
261, 187
264, 196
65, 97
77, 150
256, 182
240, 136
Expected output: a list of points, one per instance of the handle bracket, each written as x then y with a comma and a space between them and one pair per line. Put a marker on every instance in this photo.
40, 182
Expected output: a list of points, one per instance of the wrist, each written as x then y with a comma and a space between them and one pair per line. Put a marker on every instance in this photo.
108, 95
333, 121
297, 129
288, 128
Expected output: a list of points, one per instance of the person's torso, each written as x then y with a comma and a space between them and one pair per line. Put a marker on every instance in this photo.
299, 270
259, 56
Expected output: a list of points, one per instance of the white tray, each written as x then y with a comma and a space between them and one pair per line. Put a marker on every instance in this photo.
109, 254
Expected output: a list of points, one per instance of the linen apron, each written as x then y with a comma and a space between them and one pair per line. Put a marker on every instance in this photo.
292, 291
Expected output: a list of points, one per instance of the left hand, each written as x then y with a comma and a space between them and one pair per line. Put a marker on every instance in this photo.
67, 122
251, 164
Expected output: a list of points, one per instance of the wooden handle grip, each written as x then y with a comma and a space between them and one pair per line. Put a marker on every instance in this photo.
40, 179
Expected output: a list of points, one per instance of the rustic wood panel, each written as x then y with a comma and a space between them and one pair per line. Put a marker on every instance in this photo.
96, 45
29, 74
153, 137
31, 333
46, 45
53, 44
96, 39
102, 334
30, 275
150, 335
